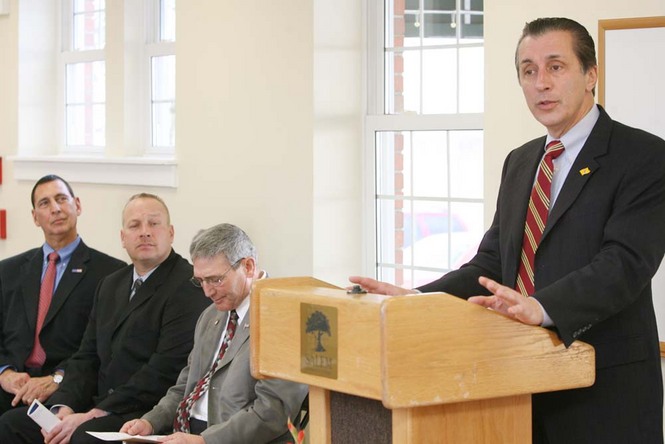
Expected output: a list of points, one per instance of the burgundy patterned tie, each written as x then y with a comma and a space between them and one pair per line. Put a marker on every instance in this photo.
183, 413
38, 355
536, 218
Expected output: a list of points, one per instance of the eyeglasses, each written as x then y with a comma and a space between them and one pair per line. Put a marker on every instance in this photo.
214, 281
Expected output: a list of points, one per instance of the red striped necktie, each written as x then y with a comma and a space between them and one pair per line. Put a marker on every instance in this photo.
184, 410
536, 218
38, 355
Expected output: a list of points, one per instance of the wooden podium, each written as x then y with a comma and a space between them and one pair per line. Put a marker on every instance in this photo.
445, 370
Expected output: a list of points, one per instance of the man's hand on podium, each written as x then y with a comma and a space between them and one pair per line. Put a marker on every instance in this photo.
377, 287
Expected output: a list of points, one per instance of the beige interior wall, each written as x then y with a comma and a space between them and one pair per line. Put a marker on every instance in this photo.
244, 134
269, 129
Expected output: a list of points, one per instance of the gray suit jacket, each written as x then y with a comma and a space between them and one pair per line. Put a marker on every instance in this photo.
241, 409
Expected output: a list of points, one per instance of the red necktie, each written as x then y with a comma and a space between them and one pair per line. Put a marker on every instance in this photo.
536, 218
183, 413
38, 355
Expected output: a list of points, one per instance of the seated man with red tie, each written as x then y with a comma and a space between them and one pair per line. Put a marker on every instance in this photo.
216, 399
46, 295
136, 341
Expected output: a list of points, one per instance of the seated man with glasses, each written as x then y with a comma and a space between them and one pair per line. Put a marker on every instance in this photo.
216, 399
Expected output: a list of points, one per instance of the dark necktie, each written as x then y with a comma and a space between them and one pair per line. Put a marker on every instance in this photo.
38, 355
135, 287
536, 218
183, 413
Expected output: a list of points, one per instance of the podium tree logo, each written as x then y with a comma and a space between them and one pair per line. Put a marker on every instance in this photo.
318, 325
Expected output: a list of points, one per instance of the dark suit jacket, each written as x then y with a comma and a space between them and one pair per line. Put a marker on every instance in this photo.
603, 242
132, 351
20, 279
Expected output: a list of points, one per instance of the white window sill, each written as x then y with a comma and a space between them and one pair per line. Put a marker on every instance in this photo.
115, 171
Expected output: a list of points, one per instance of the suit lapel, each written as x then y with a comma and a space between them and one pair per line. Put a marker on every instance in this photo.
210, 342
31, 276
240, 337
594, 147
145, 292
518, 191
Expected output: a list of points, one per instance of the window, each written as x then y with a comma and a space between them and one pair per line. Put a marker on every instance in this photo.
85, 75
97, 91
425, 130
161, 54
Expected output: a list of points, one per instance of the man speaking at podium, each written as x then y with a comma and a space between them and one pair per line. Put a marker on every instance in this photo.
576, 239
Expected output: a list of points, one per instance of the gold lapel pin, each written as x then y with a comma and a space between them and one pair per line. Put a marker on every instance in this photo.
584, 171
216, 321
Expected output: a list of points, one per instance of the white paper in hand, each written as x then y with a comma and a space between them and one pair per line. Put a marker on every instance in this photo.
42, 416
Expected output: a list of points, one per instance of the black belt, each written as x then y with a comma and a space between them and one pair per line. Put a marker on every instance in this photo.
196, 426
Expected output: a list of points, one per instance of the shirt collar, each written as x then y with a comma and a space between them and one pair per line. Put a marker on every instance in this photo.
243, 308
145, 276
575, 137
65, 252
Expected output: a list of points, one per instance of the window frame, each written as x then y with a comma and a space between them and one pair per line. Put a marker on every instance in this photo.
69, 56
154, 47
376, 120
128, 162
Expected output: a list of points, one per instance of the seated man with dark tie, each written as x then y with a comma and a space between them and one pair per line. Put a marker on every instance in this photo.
216, 399
46, 295
136, 341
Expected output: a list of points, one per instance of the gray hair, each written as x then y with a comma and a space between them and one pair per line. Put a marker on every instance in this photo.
226, 239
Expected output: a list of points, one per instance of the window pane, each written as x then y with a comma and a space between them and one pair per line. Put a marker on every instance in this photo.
85, 104
167, 20
163, 101
472, 5
88, 5
386, 210
86, 82
76, 125
163, 124
429, 204
437, 72
387, 144
163, 78
86, 125
471, 27
89, 25
411, 25
466, 158
467, 231
403, 82
439, 29
439, 81
430, 164
471, 84
440, 5
431, 234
